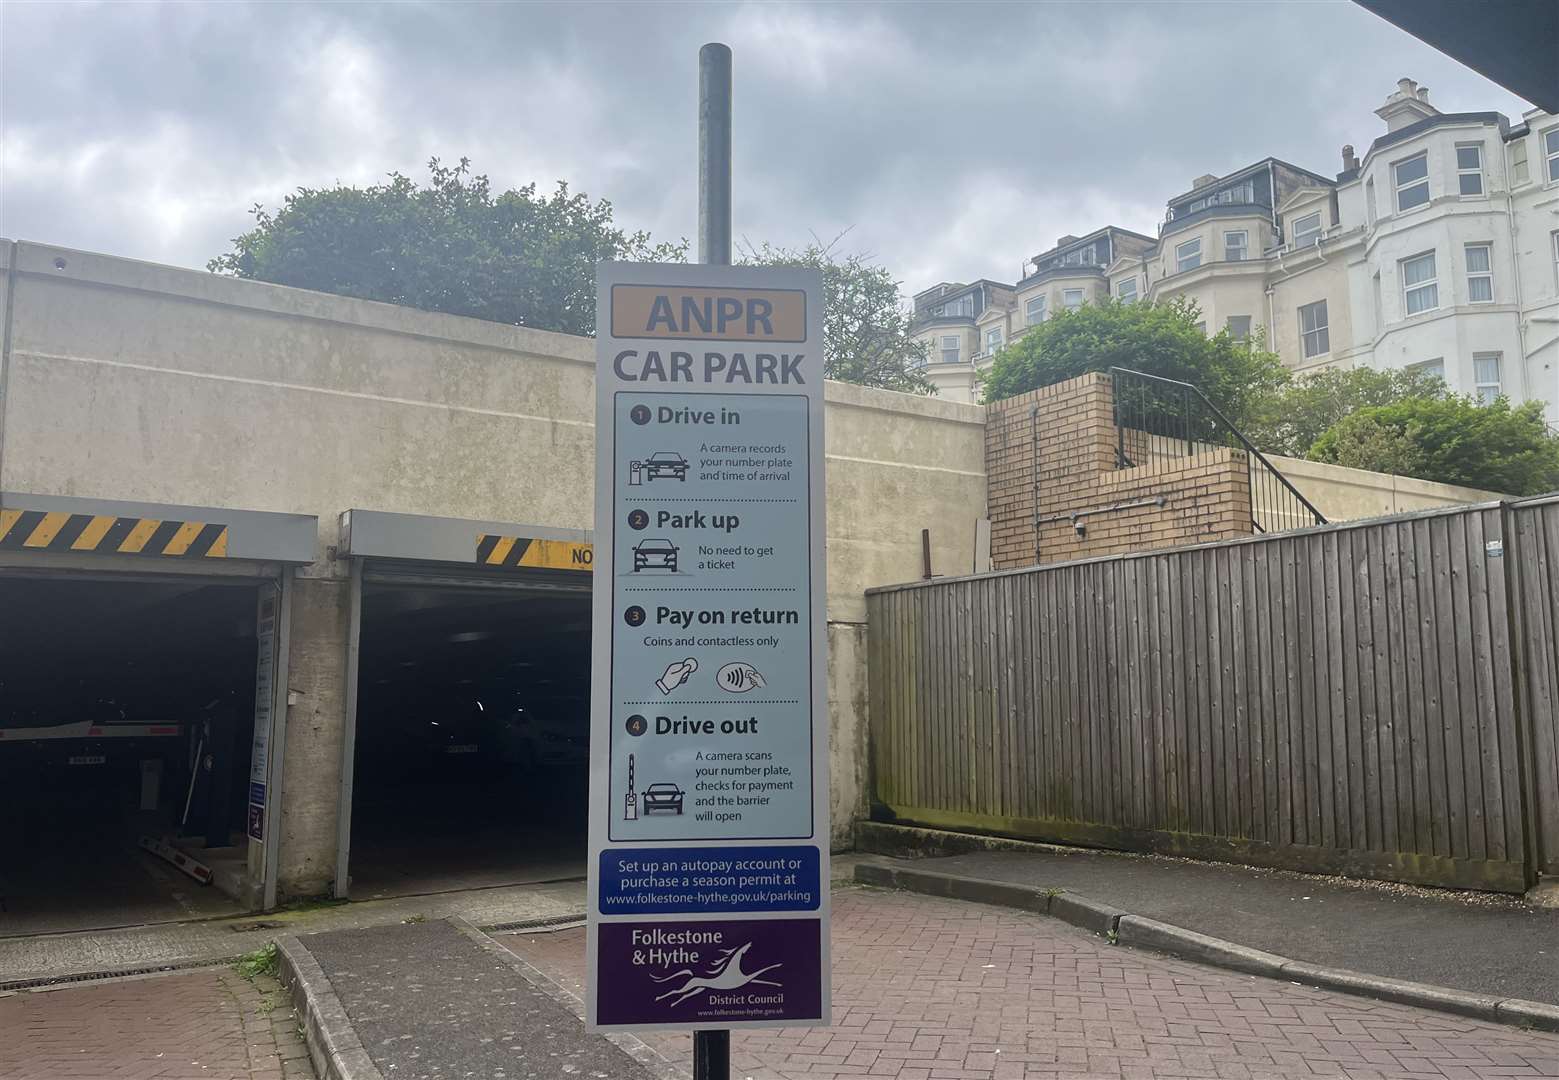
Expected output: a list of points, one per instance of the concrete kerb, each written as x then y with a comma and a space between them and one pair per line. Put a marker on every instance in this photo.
1124, 928
334, 1048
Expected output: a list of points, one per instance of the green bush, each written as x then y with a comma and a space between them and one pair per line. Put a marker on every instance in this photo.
1452, 440
1300, 413
1160, 339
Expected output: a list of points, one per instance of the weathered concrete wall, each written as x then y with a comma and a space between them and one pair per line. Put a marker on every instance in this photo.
316, 678
1344, 494
134, 381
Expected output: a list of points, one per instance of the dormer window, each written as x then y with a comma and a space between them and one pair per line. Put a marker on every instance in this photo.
1307, 230
962, 307
1240, 193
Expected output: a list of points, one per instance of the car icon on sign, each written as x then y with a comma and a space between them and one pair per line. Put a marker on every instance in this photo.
665, 463
655, 554
663, 796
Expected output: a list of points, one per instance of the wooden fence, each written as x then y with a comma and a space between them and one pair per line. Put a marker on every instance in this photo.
1536, 527
1375, 699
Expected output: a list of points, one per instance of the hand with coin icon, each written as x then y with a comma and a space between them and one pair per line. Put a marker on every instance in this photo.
677, 673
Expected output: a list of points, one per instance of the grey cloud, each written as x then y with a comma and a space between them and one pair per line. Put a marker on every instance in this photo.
954, 139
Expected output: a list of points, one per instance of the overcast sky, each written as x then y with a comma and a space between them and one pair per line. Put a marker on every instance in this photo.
954, 139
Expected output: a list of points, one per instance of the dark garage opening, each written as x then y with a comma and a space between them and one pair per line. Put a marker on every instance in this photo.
472, 738
107, 691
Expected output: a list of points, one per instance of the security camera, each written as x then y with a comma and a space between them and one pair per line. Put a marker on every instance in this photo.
1081, 526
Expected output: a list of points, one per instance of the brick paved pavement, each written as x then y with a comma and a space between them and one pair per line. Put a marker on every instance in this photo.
210, 1024
931, 989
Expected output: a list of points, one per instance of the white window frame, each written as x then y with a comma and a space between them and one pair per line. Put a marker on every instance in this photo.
1029, 307
1549, 146
1181, 255
1066, 299
957, 350
993, 347
1399, 186
1243, 192
1315, 234
1520, 170
1498, 382
1121, 292
1485, 275
1432, 367
1463, 172
1243, 247
1554, 239
1319, 335
1228, 324
1369, 201
962, 308
1431, 284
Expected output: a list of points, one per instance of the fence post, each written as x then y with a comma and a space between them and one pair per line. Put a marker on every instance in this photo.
1515, 617
1185, 396
1120, 426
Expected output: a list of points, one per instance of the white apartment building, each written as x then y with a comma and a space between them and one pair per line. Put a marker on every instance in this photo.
1439, 248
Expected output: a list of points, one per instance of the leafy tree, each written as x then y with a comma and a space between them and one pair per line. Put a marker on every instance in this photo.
1453, 440
866, 324
1297, 415
453, 245
1160, 339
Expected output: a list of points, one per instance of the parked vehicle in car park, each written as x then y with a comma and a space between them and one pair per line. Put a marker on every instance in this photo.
546, 735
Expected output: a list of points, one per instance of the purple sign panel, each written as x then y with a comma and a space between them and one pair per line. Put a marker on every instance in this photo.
709, 972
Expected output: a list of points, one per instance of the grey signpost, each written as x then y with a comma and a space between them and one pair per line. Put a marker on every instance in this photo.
712, 1049
708, 891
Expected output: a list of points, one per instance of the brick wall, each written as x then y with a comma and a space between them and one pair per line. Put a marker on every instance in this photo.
1175, 499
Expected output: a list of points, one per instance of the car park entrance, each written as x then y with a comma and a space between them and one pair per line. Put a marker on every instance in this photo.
138, 664
469, 725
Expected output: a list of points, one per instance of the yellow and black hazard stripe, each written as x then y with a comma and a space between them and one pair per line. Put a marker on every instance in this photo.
108, 534
516, 551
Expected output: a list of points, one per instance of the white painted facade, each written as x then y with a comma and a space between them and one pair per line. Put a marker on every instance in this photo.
1439, 247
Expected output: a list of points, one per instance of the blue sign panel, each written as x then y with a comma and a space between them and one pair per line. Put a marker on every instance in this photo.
686, 881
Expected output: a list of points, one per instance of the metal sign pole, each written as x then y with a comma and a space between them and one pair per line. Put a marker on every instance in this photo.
712, 1049
708, 878
714, 154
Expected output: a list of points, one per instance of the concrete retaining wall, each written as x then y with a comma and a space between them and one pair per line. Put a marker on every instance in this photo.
127, 380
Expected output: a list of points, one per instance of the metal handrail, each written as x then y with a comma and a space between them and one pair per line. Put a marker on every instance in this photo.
1190, 396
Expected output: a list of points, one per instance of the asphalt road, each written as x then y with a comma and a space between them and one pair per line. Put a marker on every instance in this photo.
1479, 942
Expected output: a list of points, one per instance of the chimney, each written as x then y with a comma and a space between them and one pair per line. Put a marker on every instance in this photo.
1065, 240
1202, 181
1350, 160
1409, 104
